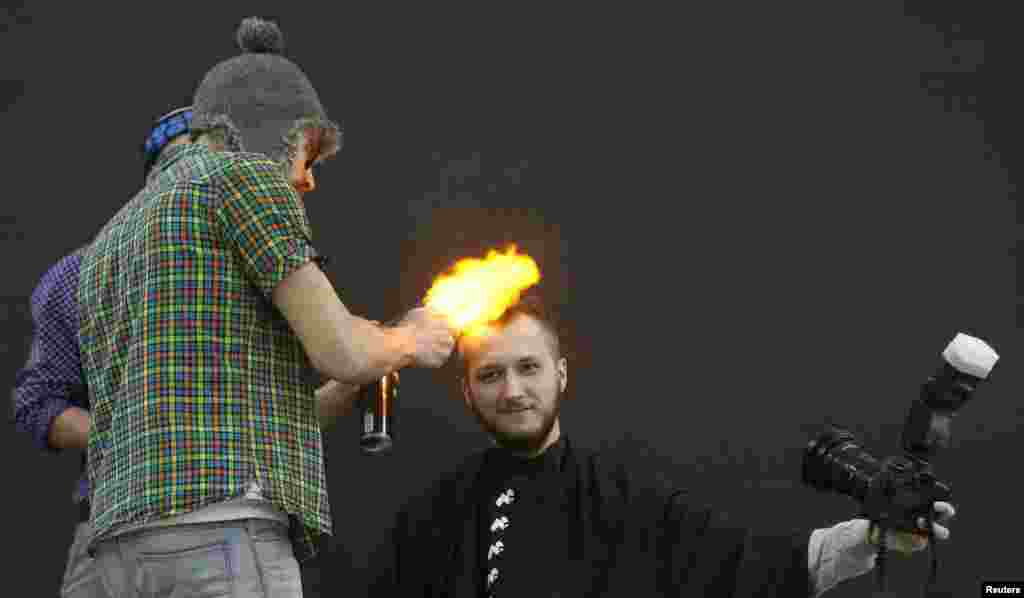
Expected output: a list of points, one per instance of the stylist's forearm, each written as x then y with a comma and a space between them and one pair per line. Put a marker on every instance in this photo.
377, 351
341, 346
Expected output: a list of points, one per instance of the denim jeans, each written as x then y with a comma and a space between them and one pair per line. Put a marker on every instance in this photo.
80, 575
248, 558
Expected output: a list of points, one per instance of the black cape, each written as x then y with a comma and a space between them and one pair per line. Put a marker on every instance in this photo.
629, 535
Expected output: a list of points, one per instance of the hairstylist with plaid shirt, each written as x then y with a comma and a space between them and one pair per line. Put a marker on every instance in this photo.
51, 401
203, 306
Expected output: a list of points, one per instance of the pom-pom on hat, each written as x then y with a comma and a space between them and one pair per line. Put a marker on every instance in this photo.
259, 96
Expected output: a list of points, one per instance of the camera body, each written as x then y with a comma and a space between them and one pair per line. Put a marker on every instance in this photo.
904, 491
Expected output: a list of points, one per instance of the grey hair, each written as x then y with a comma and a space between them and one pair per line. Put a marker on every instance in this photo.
220, 133
330, 144
223, 134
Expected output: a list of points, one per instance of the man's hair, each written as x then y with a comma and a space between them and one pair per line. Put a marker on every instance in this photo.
529, 304
225, 137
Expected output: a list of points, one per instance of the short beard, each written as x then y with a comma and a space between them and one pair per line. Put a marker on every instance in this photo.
519, 443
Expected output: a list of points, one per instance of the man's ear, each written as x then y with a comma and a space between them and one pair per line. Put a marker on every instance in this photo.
563, 374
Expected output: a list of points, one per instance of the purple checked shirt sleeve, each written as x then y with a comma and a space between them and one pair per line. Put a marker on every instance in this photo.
52, 379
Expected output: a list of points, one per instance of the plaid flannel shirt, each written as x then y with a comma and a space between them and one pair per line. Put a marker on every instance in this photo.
198, 384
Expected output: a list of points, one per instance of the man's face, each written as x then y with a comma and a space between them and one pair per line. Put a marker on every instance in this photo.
514, 384
301, 172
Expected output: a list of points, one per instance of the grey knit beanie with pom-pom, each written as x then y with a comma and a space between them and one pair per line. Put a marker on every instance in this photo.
259, 97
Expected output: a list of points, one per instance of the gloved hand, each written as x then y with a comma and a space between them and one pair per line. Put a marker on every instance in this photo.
907, 543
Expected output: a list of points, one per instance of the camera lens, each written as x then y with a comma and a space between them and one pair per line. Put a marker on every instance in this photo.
835, 462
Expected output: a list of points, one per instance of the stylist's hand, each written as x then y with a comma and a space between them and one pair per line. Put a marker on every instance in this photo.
908, 543
433, 337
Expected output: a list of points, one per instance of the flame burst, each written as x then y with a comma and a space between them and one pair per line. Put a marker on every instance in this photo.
475, 292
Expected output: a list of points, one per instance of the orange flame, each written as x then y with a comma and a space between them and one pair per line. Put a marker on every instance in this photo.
475, 292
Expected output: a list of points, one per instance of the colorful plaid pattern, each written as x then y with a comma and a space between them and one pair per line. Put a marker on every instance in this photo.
198, 384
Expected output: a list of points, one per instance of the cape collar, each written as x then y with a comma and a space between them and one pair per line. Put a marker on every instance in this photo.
501, 463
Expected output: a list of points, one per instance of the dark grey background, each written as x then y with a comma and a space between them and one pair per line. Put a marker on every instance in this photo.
780, 215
